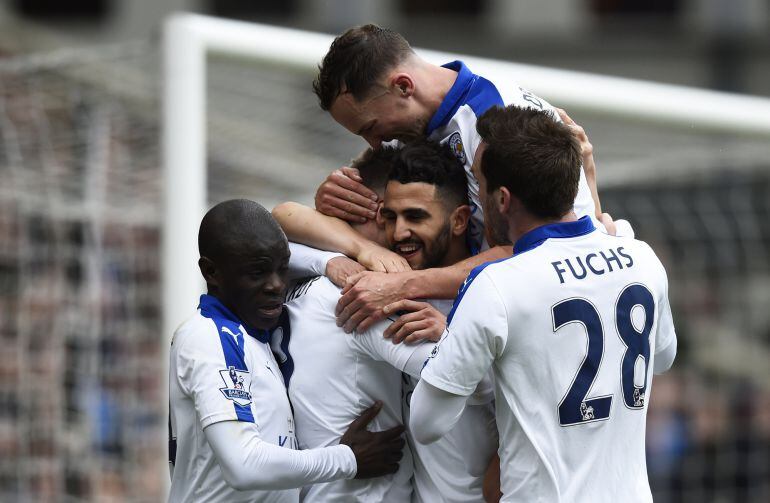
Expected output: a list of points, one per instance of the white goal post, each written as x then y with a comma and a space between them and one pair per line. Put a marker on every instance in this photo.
188, 39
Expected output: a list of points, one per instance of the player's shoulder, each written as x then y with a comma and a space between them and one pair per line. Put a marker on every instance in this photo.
196, 331
313, 299
310, 289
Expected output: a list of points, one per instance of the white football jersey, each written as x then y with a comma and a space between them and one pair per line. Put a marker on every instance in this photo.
220, 372
336, 376
571, 324
455, 123
444, 471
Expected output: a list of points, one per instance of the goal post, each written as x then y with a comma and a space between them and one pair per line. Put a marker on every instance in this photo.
190, 38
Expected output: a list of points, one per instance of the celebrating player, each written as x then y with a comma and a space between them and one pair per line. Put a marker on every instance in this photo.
374, 85
425, 214
573, 325
232, 428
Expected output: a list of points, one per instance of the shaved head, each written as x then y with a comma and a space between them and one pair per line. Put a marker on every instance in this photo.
236, 225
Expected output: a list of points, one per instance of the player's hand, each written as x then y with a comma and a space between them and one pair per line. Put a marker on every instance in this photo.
586, 148
378, 259
587, 154
422, 322
342, 195
364, 297
377, 452
608, 224
339, 269
491, 485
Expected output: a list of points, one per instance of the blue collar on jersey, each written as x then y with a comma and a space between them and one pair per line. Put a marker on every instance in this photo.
455, 97
211, 307
536, 237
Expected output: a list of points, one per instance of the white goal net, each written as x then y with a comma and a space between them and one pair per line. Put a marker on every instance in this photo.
83, 217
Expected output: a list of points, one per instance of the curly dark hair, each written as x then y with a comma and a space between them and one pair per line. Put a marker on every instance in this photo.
433, 163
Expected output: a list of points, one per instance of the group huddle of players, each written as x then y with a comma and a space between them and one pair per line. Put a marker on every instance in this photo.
460, 323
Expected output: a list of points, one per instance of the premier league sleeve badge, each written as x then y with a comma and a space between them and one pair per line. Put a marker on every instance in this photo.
237, 383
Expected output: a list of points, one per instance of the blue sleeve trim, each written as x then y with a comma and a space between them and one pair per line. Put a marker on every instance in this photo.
233, 346
235, 356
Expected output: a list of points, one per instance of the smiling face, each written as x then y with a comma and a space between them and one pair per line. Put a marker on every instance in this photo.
417, 223
388, 114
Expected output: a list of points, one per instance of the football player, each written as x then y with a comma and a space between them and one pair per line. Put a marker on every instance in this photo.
231, 425
573, 325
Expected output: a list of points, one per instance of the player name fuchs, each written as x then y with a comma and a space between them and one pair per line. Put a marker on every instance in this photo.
598, 263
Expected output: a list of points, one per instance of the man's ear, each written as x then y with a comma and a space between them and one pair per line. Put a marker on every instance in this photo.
459, 219
378, 214
209, 271
505, 201
402, 84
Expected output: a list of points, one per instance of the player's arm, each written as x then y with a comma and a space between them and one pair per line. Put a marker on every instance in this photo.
406, 358
434, 412
248, 462
367, 294
665, 340
310, 227
306, 261
197, 363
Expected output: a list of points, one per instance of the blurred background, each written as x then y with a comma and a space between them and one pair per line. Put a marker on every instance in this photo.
82, 376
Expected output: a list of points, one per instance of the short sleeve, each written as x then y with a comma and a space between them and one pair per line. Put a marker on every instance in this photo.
475, 336
219, 393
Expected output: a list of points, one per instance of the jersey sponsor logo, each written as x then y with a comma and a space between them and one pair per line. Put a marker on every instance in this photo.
236, 385
456, 144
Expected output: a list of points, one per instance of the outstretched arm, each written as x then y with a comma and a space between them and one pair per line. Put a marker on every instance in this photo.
308, 226
248, 462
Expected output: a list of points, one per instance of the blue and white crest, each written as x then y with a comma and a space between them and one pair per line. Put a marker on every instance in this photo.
237, 383
456, 144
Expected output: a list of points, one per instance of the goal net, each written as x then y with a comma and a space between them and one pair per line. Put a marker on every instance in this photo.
88, 213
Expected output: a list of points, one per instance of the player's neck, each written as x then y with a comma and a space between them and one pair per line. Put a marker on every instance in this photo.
527, 223
439, 81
